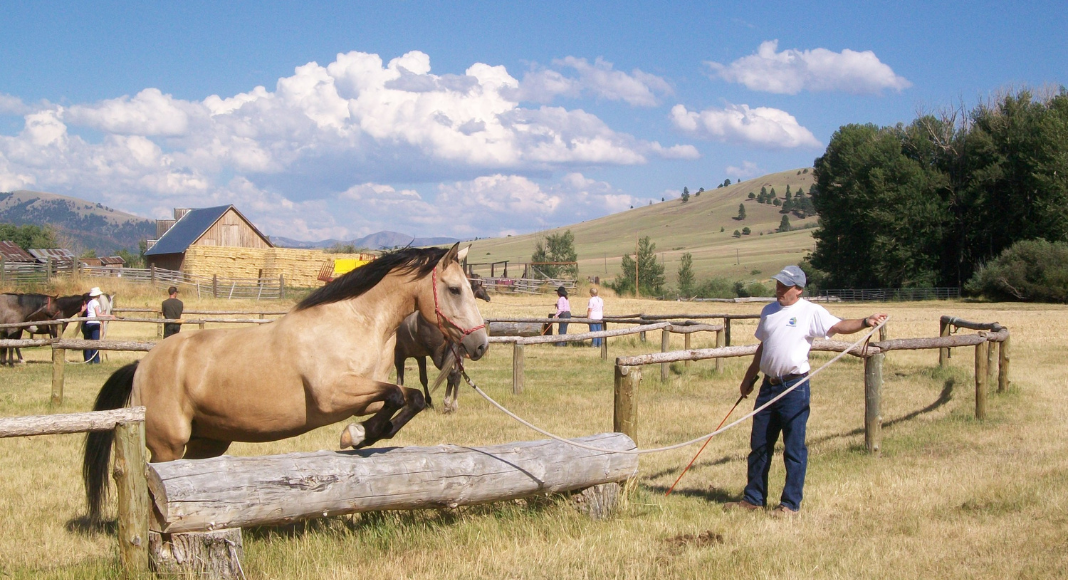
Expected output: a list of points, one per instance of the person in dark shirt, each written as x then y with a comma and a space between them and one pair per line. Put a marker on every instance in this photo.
172, 308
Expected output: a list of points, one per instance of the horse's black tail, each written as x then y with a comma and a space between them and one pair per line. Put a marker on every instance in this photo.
115, 394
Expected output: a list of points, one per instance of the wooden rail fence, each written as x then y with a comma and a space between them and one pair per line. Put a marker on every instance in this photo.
988, 368
129, 468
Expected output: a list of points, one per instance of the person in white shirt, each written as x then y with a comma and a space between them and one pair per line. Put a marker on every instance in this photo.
91, 327
595, 311
786, 330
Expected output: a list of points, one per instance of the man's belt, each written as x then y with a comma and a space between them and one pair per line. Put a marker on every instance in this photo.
776, 381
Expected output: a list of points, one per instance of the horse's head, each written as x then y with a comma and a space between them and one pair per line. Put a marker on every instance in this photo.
449, 303
479, 290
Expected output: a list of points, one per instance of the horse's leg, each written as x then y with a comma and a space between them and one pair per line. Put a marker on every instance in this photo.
421, 360
200, 448
398, 364
452, 392
390, 398
413, 405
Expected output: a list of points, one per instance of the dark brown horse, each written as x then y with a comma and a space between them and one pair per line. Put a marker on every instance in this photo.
16, 308
319, 364
418, 339
62, 307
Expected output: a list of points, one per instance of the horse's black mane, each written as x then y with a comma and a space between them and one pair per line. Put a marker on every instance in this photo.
362, 279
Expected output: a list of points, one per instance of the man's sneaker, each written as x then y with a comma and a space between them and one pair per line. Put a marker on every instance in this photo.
784, 512
740, 506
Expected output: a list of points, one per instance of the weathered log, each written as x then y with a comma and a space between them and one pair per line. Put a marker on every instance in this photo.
665, 344
214, 555
518, 362
961, 323
980, 379
680, 355
514, 328
59, 360
79, 344
129, 472
599, 501
692, 328
228, 492
928, 343
24, 342
587, 335
69, 423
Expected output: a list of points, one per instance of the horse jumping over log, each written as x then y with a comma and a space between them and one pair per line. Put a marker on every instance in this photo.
16, 308
319, 364
418, 339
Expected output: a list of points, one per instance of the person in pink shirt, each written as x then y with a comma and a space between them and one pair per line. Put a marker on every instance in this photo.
563, 310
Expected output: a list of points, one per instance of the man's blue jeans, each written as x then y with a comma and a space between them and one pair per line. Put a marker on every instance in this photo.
789, 415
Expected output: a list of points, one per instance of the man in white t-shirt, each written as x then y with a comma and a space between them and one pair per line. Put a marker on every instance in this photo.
786, 330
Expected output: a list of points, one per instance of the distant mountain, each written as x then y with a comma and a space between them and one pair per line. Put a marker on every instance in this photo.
79, 223
376, 241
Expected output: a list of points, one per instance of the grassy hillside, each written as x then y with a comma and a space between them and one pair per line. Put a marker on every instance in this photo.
79, 224
677, 227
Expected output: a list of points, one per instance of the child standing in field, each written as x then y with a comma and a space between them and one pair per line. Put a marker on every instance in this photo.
595, 311
563, 310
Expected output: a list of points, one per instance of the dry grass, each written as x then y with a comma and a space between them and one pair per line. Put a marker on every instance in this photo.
949, 497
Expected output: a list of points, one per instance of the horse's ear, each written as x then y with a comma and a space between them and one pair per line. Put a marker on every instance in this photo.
451, 255
462, 254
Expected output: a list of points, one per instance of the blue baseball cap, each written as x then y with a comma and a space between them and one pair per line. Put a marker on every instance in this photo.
791, 276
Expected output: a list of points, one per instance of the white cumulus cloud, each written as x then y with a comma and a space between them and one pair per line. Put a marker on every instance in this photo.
763, 126
599, 80
792, 71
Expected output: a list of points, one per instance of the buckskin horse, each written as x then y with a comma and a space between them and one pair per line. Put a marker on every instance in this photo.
319, 364
418, 339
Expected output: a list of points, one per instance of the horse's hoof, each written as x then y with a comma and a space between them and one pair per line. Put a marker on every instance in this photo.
353, 435
451, 407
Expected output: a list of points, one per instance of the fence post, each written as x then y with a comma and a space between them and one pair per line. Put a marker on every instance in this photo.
133, 495
59, 360
604, 342
686, 346
282, 286
48, 269
727, 331
517, 368
1003, 365
3, 271
873, 384
943, 353
719, 344
980, 379
214, 285
884, 334
152, 275
991, 363
665, 340
625, 409
159, 327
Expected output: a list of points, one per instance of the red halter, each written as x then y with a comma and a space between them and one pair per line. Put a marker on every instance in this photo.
441, 315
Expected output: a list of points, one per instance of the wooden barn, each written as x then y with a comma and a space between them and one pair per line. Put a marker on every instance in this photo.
212, 226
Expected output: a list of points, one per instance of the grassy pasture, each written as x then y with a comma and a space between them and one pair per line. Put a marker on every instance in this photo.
949, 497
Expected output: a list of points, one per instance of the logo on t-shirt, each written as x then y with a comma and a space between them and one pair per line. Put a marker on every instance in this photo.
792, 323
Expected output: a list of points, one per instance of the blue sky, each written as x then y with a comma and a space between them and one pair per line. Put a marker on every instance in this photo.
336, 120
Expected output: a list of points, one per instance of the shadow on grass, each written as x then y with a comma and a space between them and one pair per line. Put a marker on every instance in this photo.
713, 494
944, 397
82, 525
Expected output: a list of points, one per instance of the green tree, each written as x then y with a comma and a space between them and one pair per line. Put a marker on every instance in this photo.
741, 212
771, 193
746, 231
650, 271
784, 225
775, 202
726, 182
752, 195
685, 276
685, 194
737, 234
558, 247
28, 236
699, 192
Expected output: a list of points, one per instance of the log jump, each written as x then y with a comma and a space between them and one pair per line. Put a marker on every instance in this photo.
201, 504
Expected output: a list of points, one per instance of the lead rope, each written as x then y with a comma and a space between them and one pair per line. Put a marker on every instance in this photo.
677, 445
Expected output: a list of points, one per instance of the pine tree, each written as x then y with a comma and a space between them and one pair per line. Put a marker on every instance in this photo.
686, 275
752, 195
650, 271
741, 212
685, 194
746, 231
784, 225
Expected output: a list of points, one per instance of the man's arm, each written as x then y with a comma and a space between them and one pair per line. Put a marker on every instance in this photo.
853, 325
751, 373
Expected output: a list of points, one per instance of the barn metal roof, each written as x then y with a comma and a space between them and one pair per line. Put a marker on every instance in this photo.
186, 230
56, 254
13, 253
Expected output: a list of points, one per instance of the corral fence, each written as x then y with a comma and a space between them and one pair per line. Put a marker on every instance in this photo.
890, 294
21, 274
992, 358
527, 285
